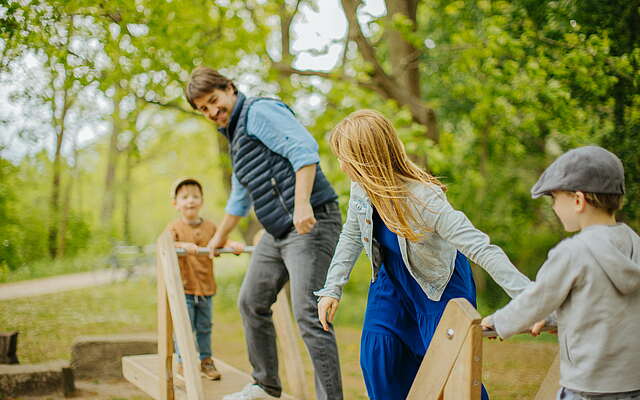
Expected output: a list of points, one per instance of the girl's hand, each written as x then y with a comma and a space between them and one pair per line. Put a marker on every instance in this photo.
327, 307
487, 323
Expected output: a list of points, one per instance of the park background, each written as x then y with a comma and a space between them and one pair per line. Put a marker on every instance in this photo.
94, 127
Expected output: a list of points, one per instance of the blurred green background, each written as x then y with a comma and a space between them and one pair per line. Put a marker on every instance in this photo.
485, 94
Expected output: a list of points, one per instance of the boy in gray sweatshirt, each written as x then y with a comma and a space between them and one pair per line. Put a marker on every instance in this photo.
591, 280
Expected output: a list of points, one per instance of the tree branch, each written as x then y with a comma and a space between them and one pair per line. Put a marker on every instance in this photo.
390, 87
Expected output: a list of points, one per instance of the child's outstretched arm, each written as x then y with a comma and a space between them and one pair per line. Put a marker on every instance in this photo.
553, 284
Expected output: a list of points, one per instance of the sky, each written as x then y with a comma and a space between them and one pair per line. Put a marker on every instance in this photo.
312, 30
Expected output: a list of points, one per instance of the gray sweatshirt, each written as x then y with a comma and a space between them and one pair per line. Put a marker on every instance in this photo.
593, 281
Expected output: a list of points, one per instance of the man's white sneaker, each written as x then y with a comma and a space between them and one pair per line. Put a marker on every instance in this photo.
249, 392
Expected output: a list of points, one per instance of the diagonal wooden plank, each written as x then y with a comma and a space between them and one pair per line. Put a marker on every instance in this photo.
457, 320
551, 383
179, 314
286, 333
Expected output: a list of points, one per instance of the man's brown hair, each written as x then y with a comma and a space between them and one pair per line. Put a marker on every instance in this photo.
205, 80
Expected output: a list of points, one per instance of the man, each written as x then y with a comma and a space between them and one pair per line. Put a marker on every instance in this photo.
276, 169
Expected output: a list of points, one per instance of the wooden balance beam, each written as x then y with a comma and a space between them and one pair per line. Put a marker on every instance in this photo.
153, 373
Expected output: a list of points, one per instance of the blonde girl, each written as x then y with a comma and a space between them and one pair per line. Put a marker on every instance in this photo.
416, 243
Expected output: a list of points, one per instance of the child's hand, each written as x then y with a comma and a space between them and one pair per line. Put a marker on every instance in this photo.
537, 327
327, 307
191, 248
237, 247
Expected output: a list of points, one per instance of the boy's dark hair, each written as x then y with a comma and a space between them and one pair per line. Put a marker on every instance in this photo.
187, 182
604, 201
205, 80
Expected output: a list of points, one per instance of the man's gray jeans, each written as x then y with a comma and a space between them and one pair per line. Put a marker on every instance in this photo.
304, 261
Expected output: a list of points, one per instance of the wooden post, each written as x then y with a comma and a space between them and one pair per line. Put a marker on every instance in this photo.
286, 333
68, 382
179, 314
551, 383
9, 348
452, 367
165, 337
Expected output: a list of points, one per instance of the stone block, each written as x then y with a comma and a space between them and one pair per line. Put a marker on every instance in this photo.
101, 356
31, 379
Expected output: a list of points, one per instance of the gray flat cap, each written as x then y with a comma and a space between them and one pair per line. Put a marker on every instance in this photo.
590, 169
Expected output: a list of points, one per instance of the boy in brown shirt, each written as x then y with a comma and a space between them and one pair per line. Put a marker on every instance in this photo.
191, 231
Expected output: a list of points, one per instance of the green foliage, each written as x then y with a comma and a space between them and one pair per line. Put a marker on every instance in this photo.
513, 84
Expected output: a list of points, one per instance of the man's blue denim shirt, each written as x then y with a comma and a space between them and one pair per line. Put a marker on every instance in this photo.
277, 128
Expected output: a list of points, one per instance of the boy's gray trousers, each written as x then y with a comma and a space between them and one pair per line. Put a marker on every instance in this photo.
303, 260
566, 394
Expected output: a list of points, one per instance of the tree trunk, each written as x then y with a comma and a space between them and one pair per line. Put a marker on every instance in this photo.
54, 200
58, 116
64, 221
126, 197
66, 202
224, 161
108, 198
403, 56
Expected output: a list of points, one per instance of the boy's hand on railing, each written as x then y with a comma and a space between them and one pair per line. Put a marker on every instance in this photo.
539, 326
190, 248
327, 307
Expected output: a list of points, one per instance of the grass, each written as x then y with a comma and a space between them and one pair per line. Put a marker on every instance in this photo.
48, 324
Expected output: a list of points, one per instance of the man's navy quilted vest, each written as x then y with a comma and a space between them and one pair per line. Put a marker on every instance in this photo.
269, 177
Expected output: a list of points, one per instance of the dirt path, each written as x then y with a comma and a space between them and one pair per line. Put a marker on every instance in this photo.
61, 283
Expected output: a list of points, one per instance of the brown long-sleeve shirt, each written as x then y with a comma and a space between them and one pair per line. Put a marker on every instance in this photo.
198, 277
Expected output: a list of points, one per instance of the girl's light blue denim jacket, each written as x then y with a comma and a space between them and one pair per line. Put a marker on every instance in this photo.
431, 259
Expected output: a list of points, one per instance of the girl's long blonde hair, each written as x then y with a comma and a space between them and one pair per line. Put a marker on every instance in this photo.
370, 151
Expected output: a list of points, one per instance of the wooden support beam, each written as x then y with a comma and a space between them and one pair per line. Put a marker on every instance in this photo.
551, 383
286, 333
165, 338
